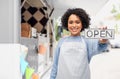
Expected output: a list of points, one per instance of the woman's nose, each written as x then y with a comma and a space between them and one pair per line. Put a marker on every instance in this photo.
74, 25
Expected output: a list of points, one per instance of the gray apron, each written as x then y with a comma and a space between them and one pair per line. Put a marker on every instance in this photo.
73, 62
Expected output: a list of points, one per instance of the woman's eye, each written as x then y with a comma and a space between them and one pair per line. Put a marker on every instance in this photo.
70, 22
77, 22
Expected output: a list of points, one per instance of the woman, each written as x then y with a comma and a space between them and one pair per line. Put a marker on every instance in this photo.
73, 53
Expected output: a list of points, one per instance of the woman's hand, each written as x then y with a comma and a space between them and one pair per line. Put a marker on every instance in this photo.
103, 40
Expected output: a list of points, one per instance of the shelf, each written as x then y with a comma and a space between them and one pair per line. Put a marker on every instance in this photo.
23, 3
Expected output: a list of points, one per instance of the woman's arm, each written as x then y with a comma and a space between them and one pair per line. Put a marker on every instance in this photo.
55, 64
96, 46
102, 45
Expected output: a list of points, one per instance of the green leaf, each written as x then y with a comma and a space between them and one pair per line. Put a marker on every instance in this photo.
117, 16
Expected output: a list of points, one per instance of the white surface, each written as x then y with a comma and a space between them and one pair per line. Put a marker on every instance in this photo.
10, 61
47, 75
44, 70
115, 42
106, 65
34, 32
9, 21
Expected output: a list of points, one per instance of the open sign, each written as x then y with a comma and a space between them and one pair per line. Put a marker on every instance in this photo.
100, 33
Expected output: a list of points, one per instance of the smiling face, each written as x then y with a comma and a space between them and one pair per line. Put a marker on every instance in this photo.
74, 25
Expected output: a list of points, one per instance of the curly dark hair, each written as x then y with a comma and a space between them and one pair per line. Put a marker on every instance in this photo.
83, 16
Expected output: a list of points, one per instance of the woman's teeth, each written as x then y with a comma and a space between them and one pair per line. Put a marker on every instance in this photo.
74, 29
